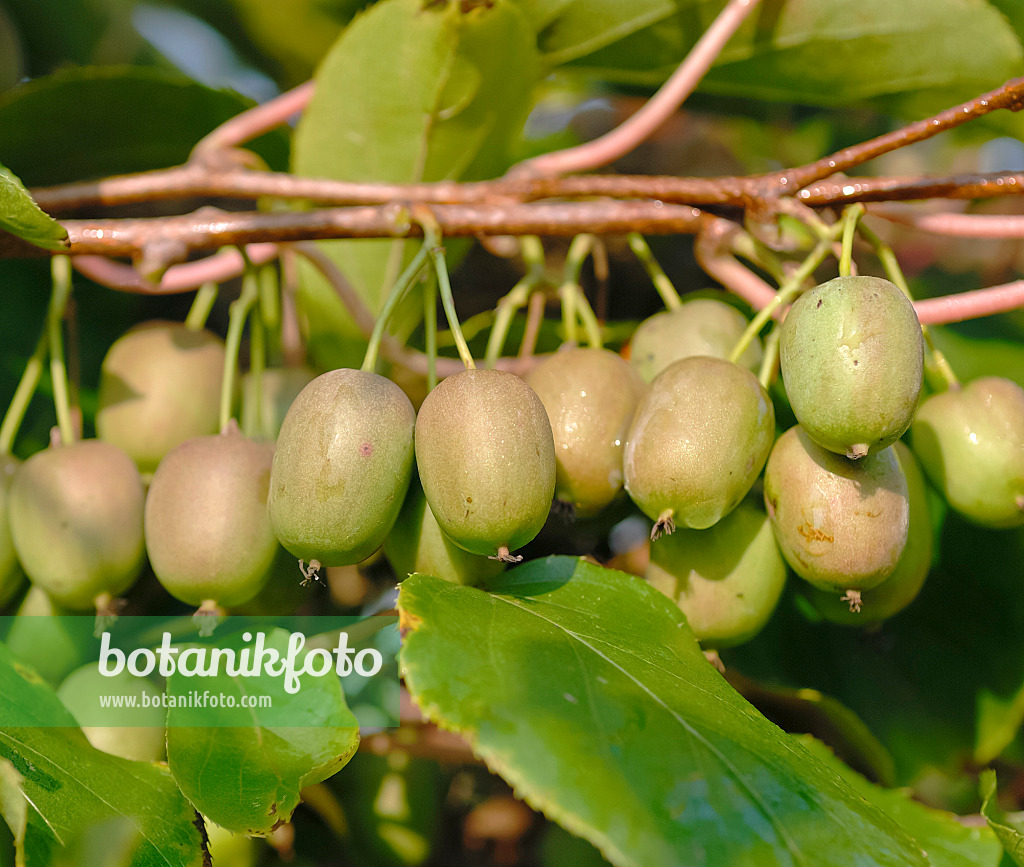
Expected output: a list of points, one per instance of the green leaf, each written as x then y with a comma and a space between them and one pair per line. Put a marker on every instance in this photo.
55, 788
97, 121
410, 92
593, 699
21, 216
916, 55
947, 842
249, 780
1010, 834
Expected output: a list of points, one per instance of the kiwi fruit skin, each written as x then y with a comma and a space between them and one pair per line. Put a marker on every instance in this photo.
852, 358
11, 574
76, 521
486, 460
841, 524
698, 441
700, 326
207, 529
160, 385
590, 396
901, 588
342, 467
970, 441
727, 579
417, 544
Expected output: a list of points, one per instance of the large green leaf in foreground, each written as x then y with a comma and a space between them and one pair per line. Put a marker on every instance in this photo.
56, 789
21, 216
586, 690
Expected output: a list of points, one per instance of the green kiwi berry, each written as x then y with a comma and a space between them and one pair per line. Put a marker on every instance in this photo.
132, 733
207, 530
486, 460
342, 466
590, 396
697, 443
901, 588
280, 387
417, 544
727, 580
76, 521
701, 326
11, 574
159, 385
852, 359
841, 524
970, 441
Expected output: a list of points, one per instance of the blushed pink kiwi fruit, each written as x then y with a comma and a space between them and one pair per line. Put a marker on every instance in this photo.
342, 466
280, 385
590, 396
486, 460
901, 588
207, 530
76, 521
697, 443
159, 385
842, 525
701, 326
970, 441
727, 579
417, 544
11, 574
852, 359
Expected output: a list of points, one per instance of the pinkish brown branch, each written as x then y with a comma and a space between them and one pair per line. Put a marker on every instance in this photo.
959, 225
971, 305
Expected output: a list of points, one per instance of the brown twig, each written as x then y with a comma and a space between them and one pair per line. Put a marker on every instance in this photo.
960, 225
971, 305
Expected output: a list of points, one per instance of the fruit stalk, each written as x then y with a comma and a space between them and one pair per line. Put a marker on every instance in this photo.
509, 305
202, 304
238, 313
851, 217
669, 296
432, 243
402, 285
61, 271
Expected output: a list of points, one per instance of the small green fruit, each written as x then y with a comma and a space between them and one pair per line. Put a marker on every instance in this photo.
280, 386
11, 575
486, 460
697, 443
159, 386
970, 441
418, 544
590, 396
701, 326
901, 588
842, 525
727, 580
76, 521
852, 360
342, 466
207, 530
143, 739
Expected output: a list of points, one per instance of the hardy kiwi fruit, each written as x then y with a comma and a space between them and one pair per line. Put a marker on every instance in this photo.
590, 396
486, 460
159, 386
342, 466
417, 544
698, 441
852, 359
901, 588
701, 326
76, 521
971, 444
11, 574
841, 524
727, 579
207, 530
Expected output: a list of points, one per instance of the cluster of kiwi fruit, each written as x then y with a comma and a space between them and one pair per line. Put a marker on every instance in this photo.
458, 487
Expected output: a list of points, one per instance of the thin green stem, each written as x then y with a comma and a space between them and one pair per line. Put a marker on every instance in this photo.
257, 364
757, 252
430, 331
887, 256
588, 318
787, 291
61, 271
567, 295
202, 304
447, 299
24, 393
669, 295
851, 216
505, 312
470, 327
402, 285
270, 310
238, 312
770, 361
